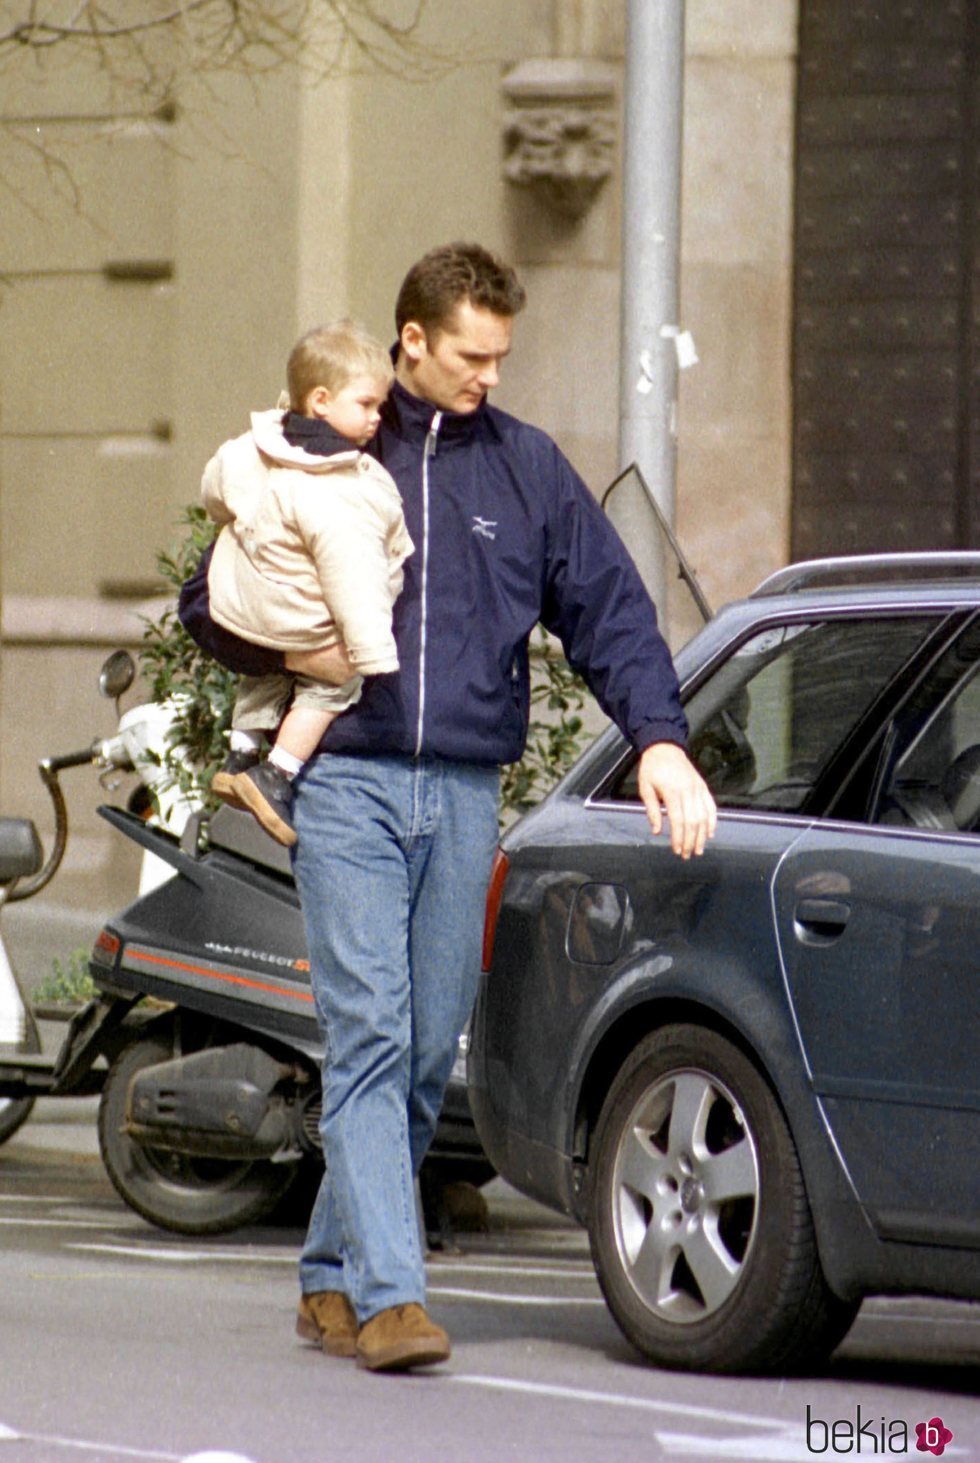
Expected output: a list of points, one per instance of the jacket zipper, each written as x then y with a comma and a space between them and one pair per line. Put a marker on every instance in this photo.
428, 451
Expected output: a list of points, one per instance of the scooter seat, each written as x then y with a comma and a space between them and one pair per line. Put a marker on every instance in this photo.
239, 833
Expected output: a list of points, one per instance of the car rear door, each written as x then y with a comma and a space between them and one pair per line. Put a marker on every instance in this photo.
878, 926
879, 933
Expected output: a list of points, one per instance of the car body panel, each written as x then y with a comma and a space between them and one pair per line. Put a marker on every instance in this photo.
677, 961
883, 928
806, 934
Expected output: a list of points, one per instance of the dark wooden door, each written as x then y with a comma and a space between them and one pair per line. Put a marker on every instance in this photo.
886, 441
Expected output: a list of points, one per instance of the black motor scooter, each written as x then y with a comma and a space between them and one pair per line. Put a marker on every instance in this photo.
202, 1039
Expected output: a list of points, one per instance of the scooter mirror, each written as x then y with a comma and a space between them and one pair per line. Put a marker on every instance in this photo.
117, 674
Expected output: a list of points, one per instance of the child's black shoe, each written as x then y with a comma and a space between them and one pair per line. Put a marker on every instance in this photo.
267, 793
223, 782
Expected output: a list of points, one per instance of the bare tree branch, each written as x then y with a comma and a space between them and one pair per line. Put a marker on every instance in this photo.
158, 39
146, 56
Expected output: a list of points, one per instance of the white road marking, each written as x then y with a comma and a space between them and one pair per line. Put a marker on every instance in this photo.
118, 1450
919, 1318
105, 1450
619, 1399
197, 1257
788, 1447
37, 1199
449, 1267
177, 1256
59, 1223
212, 1457
181, 1256
500, 1298
276, 1256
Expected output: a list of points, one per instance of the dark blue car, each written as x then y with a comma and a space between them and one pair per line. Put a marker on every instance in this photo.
755, 1076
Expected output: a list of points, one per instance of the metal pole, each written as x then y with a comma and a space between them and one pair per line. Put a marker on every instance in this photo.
652, 109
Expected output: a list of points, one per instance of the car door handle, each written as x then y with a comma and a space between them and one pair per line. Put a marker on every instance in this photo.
823, 918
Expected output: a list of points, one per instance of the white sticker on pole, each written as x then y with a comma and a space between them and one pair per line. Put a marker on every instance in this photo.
683, 344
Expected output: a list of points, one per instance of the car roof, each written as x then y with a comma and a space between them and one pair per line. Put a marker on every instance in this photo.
799, 591
874, 571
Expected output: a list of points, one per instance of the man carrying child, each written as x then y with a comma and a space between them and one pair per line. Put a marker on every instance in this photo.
396, 812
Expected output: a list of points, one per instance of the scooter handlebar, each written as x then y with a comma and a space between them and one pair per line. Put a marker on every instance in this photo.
49, 767
71, 759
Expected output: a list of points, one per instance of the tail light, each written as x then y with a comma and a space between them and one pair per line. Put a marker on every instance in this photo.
495, 890
107, 947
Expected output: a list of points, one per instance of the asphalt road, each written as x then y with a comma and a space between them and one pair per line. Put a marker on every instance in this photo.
118, 1341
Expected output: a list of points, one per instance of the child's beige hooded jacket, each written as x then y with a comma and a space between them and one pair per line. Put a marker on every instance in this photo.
311, 548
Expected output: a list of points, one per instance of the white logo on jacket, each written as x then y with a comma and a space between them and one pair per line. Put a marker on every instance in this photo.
485, 527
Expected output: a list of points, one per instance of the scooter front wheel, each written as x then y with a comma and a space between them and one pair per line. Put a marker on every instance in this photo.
176, 1192
14, 1112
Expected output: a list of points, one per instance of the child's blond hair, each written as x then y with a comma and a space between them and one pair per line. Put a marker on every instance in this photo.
332, 356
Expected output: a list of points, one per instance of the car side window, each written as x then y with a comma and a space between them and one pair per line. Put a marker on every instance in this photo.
930, 776
768, 720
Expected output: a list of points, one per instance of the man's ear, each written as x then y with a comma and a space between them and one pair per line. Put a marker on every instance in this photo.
413, 340
318, 402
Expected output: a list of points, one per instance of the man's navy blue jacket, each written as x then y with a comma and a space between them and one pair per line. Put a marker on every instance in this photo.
506, 534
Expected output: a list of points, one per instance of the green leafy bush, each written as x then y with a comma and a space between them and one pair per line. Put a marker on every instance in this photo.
69, 983
174, 667
556, 731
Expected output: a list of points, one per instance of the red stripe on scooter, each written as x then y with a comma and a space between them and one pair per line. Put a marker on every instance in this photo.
255, 985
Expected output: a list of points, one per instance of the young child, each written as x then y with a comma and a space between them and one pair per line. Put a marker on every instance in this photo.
310, 554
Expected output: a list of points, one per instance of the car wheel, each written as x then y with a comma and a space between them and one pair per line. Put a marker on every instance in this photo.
700, 1228
14, 1112
177, 1192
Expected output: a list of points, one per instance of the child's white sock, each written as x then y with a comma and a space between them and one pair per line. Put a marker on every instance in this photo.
286, 762
245, 741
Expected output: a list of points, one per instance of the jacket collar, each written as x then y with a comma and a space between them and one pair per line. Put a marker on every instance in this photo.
411, 417
271, 440
314, 435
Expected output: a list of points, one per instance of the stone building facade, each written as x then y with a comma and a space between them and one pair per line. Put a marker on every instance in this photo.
152, 282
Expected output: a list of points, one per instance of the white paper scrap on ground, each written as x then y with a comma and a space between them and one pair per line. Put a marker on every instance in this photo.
216, 1458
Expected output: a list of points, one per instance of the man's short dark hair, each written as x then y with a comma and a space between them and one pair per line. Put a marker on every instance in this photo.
445, 277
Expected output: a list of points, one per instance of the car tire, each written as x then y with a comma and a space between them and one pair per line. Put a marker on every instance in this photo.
699, 1223
176, 1192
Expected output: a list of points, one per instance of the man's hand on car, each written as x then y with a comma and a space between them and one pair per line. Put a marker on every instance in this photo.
669, 780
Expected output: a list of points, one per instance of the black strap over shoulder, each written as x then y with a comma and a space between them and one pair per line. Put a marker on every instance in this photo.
228, 649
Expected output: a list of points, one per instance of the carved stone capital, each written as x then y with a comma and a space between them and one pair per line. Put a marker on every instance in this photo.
560, 130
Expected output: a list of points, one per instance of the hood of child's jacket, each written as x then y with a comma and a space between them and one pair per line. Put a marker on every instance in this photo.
267, 434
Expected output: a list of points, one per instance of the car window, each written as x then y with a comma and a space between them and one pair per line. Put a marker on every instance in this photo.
769, 719
931, 762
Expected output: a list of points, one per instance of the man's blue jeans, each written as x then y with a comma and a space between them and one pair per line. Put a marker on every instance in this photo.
391, 865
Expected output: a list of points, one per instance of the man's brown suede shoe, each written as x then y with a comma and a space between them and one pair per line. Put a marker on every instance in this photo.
399, 1338
327, 1319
